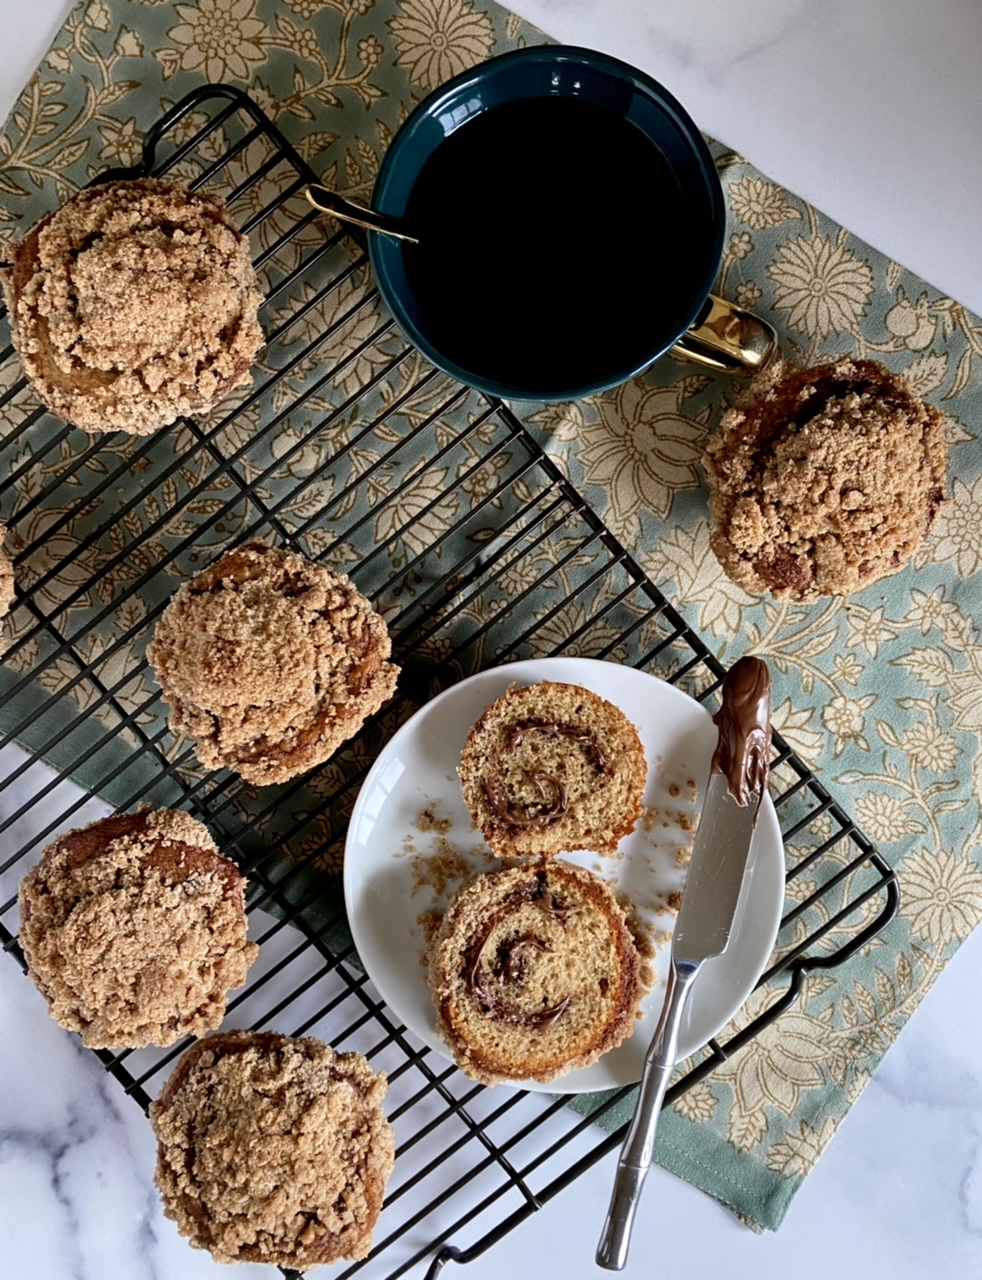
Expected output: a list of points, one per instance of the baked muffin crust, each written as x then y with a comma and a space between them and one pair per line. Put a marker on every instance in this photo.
132, 304
134, 929
273, 1149
270, 662
6, 581
824, 480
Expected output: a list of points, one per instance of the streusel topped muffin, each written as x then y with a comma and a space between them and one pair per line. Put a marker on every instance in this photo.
6, 580
824, 480
132, 304
134, 929
273, 1149
270, 662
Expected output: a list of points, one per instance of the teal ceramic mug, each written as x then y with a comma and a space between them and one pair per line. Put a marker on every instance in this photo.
569, 224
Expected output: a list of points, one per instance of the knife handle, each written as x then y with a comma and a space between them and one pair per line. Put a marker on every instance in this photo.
636, 1153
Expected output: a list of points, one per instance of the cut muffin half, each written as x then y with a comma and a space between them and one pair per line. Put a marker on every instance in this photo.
534, 973
553, 768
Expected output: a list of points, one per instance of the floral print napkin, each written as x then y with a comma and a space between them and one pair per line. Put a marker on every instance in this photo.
881, 693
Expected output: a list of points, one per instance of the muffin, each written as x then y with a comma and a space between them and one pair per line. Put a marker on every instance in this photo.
270, 662
132, 304
533, 973
6, 580
273, 1149
552, 768
824, 480
134, 930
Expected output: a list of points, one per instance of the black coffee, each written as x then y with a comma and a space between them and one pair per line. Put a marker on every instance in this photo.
555, 245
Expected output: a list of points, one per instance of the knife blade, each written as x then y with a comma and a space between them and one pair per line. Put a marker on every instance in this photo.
710, 900
717, 869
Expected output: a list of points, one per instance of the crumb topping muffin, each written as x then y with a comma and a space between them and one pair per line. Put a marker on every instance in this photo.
270, 662
6, 580
134, 930
824, 480
132, 304
552, 768
534, 973
273, 1149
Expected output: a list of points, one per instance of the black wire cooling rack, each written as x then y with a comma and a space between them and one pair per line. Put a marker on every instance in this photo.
470, 541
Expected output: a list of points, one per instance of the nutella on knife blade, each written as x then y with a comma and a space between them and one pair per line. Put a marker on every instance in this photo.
744, 723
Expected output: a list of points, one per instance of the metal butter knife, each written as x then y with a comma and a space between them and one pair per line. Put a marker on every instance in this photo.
737, 782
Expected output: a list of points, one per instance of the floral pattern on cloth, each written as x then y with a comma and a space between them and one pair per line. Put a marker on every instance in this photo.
880, 693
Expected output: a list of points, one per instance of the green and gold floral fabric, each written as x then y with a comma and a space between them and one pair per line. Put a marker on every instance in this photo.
880, 693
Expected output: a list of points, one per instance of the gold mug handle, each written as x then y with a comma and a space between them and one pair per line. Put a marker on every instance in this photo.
727, 339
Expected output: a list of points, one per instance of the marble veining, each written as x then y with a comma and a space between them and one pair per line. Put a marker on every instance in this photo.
77, 1200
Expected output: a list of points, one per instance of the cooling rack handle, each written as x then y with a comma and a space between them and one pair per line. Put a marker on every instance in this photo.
238, 100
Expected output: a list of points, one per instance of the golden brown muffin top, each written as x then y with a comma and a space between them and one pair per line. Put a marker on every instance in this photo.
824, 480
132, 304
273, 1149
6, 580
270, 661
134, 929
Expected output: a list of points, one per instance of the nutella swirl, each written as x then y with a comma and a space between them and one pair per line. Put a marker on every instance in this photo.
509, 965
744, 722
554, 801
510, 961
515, 734
553, 808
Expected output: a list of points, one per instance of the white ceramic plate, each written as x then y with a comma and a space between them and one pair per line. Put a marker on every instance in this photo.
416, 771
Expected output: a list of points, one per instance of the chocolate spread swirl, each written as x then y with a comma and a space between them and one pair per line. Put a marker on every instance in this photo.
744, 723
524, 816
515, 734
555, 803
510, 963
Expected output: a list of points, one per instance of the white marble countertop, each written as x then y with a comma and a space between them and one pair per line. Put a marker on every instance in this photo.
869, 108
